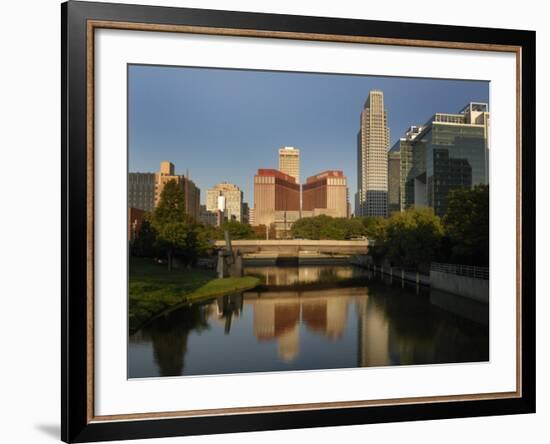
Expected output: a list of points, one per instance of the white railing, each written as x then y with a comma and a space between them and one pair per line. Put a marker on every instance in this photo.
462, 270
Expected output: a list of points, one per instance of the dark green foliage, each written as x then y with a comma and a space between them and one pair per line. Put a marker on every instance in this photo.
374, 227
416, 237
329, 228
171, 206
337, 228
412, 238
144, 245
237, 230
176, 231
308, 227
467, 225
206, 234
326, 227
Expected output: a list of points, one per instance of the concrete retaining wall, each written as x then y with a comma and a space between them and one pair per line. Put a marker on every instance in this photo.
477, 289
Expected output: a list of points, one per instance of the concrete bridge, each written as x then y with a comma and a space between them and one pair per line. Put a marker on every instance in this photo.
299, 247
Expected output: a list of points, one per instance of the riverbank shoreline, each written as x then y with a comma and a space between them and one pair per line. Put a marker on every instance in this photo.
153, 290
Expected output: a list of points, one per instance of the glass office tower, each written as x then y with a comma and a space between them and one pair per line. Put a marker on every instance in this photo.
450, 151
456, 154
408, 168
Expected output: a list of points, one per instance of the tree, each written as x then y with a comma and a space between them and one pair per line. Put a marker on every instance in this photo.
206, 234
326, 227
467, 225
335, 229
354, 228
375, 231
318, 227
144, 243
175, 229
238, 230
374, 227
412, 238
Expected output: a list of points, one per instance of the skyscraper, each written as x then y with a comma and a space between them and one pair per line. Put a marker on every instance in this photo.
372, 158
289, 162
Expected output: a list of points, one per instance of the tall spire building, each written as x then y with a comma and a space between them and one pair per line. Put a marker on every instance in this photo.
373, 142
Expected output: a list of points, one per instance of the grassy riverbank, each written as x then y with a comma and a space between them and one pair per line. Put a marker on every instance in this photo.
153, 289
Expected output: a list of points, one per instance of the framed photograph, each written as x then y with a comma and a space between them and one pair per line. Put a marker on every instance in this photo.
275, 221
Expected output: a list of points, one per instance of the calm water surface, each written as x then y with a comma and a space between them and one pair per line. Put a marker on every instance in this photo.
288, 327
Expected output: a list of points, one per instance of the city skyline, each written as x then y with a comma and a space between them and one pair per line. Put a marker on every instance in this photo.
182, 113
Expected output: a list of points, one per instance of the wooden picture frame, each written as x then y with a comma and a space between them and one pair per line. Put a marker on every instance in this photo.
79, 22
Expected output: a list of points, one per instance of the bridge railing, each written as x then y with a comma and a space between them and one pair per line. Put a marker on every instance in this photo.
461, 270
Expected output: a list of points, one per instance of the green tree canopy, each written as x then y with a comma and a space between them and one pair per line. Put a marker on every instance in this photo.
412, 238
326, 227
467, 225
206, 234
318, 227
176, 231
171, 206
144, 245
374, 227
336, 228
237, 230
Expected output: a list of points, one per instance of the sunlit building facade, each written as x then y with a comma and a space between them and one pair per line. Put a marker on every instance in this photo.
326, 193
372, 162
231, 204
276, 196
289, 161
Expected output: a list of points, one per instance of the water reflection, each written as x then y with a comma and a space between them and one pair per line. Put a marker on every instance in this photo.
306, 274
278, 315
376, 325
169, 337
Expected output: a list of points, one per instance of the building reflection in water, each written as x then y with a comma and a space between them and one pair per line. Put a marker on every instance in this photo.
225, 308
282, 276
373, 334
169, 337
278, 315
375, 326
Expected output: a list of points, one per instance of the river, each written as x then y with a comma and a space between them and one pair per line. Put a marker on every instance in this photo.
307, 318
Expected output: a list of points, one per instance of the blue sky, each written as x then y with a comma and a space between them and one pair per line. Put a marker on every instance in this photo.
222, 125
